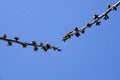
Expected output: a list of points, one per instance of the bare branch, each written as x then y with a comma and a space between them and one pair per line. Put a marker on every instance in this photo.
45, 47
77, 32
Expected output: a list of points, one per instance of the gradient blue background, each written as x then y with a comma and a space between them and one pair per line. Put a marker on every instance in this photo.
93, 56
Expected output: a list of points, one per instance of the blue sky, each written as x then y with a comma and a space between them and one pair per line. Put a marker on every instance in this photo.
93, 56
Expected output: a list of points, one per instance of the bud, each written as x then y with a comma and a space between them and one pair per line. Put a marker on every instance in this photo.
88, 25
64, 39
106, 17
4, 36
44, 48
41, 44
35, 48
9, 43
34, 42
98, 23
95, 16
24, 44
76, 29
82, 30
114, 8
77, 34
109, 6
48, 46
16, 38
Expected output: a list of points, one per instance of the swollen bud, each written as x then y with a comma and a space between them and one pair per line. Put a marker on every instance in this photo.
16, 38
9, 43
95, 16
24, 44
98, 23
34, 42
114, 8
35, 48
106, 17
4, 36
77, 34
88, 25
82, 30
76, 29
109, 6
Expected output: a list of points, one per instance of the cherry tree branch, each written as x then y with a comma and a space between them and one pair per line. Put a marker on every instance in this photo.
77, 32
45, 47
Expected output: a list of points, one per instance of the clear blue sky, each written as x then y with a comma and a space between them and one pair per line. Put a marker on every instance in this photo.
93, 56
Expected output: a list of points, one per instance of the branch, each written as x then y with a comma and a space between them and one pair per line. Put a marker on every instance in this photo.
45, 47
77, 32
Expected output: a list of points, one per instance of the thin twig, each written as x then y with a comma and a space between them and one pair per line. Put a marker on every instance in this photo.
96, 21
45, 47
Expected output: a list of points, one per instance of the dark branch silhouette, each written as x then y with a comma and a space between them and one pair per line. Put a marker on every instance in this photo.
45, 47
77, 32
